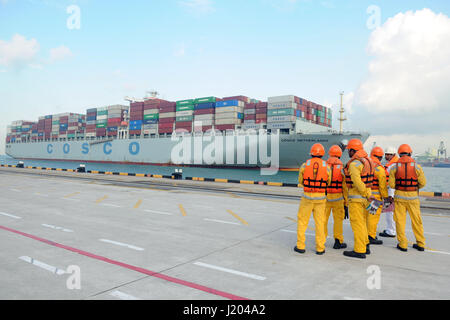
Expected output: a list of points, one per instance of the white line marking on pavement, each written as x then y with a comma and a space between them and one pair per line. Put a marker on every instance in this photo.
123, 296
43, 265
56, 228
111, 205
239, 273
10, 215
306, 233
159, 212
436, 251
122, 244
221, 221
15, 190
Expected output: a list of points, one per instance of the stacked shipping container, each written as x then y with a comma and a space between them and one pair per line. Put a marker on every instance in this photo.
167, 117
204, 113
184, 115
230, 112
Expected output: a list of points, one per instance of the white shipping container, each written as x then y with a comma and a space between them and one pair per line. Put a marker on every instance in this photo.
167, 115
227, 115
280, 125
72, 128
250, 121
102, 117
90, 134
228, 121
255, 126
250, 111
150, 131
204, 117
204, 123
229, 109
185, 113
282, 105
281, 119
150, 126
288, 98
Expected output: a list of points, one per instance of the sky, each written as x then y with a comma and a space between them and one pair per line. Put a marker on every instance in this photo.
391, 58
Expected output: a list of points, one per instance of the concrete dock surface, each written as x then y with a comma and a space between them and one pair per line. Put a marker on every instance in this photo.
84, 236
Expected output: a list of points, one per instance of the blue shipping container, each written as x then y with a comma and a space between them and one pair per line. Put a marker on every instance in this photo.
92, 118
206, 105
150, 121
112, 129
227, 103
48, 117
91, 110
135, 127
135, 122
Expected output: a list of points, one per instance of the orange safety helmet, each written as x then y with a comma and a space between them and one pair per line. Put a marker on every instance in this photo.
317, 150
355, 144
404, 148
335, 151
377, 152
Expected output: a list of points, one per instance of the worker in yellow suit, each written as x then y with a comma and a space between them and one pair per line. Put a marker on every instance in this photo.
379, 191
314, 177
359, 173
337, 200
407, 177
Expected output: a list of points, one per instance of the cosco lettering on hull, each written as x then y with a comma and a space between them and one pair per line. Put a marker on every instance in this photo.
133, 148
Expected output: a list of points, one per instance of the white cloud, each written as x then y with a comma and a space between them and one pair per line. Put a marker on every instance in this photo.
18, 52
198, 6
411, 66
59, 53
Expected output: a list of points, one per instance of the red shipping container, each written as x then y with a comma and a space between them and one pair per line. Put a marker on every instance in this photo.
261, 110
167, 120
204, 111
114, 122
223, 127
240, 98
261, 105
165, 130
250, 105
250, 117
165, 125
136, 117
135, 132
184, 123
167, 109
260, 121
261, 116
101, 132
71, 131
112, 133
151, 106
297, 100
136, 104
168, 104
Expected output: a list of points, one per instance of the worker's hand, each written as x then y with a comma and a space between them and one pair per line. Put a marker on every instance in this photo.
346, 212
372, 198
390, 199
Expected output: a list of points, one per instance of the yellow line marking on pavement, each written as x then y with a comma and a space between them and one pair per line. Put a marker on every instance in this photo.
101, 199
292, 219
138, 204
232, 195
237, 217
411, 243
183, 212
435, 215
71, 195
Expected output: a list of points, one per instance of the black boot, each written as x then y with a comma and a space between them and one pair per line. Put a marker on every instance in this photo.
354, 254
375, 241
299, 250
339, 245
385, 234
401, 249
320, 252
416, 246
367, 249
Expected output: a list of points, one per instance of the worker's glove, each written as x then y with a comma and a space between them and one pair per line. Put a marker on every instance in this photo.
390, 199
346, 212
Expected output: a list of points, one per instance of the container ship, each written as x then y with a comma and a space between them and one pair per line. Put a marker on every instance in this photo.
206, 132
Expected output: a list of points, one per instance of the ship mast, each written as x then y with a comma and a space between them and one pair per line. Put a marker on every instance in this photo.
341, 111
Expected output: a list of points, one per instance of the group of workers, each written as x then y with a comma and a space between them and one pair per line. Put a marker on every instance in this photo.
360, 190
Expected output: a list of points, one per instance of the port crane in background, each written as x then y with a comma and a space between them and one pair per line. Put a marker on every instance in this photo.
342, 118
442, 151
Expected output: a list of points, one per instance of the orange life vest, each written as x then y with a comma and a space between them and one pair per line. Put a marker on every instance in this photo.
406, 176
389, 164
367, 173
376, 183
336, 167
315, 176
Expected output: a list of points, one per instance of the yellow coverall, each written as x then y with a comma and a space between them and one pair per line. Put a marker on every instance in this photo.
315, 203
358, 196
380, 194
336, 202
408, 201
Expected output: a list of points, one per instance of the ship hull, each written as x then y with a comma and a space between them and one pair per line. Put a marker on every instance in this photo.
245, 151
